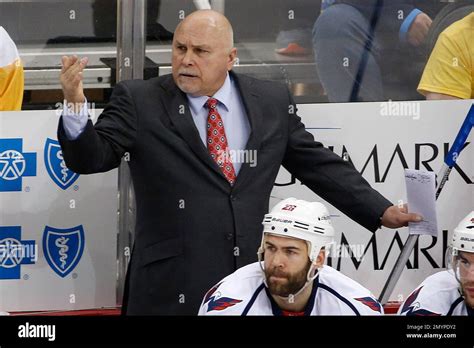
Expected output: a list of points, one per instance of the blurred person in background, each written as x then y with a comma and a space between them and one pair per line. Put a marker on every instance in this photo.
371, 50
11, 74
449, 73
296, 21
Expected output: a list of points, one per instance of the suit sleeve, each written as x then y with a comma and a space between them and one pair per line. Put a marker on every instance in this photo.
100, 148
330, 177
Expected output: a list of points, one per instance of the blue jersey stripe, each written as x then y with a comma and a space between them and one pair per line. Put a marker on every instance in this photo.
252, 300
339, 296
454, 305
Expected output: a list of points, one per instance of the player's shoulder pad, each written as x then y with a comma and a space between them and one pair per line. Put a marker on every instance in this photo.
364, 301
231, 294
433, 297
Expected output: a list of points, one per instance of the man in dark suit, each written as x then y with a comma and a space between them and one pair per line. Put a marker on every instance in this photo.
198, 209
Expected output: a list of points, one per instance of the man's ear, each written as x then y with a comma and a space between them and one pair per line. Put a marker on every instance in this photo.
321, 258
232, 58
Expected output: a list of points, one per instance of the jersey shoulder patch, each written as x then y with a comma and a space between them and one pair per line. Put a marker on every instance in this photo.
352, 291
412, 306
234, 289
433, 297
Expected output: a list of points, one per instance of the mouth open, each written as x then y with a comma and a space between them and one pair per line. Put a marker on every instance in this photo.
187, 75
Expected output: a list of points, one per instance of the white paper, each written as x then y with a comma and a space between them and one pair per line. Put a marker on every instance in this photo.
421, 196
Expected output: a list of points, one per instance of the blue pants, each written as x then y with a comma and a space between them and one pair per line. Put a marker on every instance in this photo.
343, 39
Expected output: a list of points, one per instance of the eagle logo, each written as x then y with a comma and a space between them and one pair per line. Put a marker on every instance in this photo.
412, 308
216, 302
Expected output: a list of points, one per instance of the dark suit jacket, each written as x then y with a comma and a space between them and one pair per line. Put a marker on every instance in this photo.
181, 251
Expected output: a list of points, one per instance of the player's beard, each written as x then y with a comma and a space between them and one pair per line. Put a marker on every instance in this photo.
294, 282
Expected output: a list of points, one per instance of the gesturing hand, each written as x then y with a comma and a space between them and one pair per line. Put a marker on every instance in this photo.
71, 80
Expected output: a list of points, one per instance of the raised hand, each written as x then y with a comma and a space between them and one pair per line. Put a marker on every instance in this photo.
71, 80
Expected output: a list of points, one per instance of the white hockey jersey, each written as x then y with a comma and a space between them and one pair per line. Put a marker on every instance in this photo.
244, 293
439, 294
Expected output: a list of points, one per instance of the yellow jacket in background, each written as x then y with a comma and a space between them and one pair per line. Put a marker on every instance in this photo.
11, 74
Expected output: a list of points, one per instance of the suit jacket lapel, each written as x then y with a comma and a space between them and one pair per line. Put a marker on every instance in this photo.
250, 98
176, 105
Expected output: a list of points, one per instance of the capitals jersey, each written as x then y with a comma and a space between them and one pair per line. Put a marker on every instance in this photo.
244, 293
439, 294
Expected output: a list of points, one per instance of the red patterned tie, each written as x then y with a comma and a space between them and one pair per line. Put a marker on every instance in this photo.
217, 141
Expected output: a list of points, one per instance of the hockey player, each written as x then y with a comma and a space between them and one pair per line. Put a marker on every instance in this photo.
449, 292
290, 278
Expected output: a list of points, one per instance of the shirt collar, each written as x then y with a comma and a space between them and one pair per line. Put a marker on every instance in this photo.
223, 95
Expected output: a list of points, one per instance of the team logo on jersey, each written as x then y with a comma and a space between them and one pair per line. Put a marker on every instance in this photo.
413, 308
15, 252
63, 248
15, 164
217, 303
211, 291
289, 207
373, 304
55, 165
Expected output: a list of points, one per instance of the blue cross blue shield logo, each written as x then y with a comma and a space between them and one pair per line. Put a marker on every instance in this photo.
55, 165
15, 164
63, 248
15, 252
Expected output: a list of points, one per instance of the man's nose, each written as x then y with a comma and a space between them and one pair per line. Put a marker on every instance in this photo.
278, 260
468, 277
188, 58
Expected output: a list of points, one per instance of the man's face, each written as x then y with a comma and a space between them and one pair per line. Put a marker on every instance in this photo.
466, 275
286, 264
202, 56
